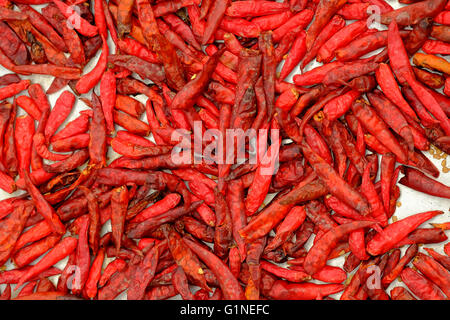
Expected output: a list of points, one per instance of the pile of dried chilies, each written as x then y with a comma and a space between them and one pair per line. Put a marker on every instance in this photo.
349, 129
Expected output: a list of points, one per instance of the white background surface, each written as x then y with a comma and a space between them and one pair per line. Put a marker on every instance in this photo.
410, 201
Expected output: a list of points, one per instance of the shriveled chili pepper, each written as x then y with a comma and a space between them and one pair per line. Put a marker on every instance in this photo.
296, 54
318, 255
115, 266
24, 131
440, 32
375, 125
108, 97
340, 39
79, 23
60, 251
421, 286
228, 283
59, 113
302, 291
418, 181
396, 231
430, 79
97, 132
188, 95
12, 227
261, 182
324, 12
400, 293
272, 21
42, 206
332, 27
13, 89
119, 204
297, 22
442, 259
410, 15
310, 188
89, 80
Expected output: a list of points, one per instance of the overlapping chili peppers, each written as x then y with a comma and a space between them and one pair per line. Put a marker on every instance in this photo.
224, 225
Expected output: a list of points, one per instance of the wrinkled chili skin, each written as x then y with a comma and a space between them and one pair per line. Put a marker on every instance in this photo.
412, 14
97, 131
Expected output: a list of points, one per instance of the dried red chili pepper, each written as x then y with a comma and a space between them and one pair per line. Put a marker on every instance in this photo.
396, 231
119, 204
310, 188
410, 15
228, 283
297, 22
421, 286
332, 27
89, 80
79, 23
302, 291
42, 206
97, 132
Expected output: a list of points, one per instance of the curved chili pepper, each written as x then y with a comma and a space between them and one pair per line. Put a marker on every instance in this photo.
79, 23
413, 13
318, 254
89, 80
396, 231
309, 189
186, 97
324, 11
302, 291
42, 206
296, 54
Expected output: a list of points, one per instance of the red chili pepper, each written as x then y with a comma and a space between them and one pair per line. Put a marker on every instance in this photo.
296, 54
228, 283
13, 89
272, 21
318, 255
293, 220
89, 80
332, 27
59, 252
316, 75
442, 259
302, 291
413, 13
297, 22
97, 132
396, 231
421, 286
340, 39
418, 181
59, 113
23, 137
310, 188
42, 206
79, 23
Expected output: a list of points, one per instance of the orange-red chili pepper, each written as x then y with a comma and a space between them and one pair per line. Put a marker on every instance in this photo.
396, 231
